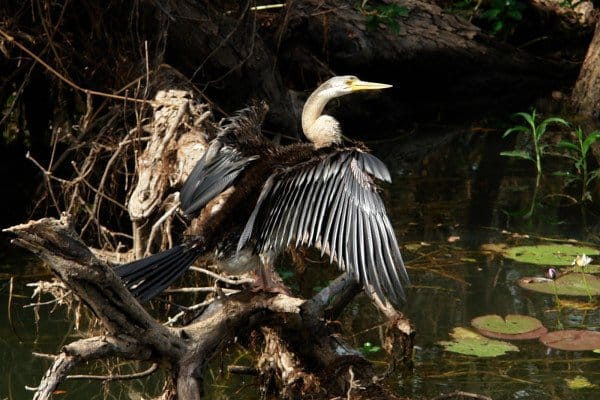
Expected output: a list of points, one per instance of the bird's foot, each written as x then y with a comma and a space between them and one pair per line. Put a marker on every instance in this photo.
270, 282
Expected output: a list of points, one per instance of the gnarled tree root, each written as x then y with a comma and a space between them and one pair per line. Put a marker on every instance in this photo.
301, 354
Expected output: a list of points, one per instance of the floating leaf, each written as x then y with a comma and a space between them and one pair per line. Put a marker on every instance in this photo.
548, 254
572, 284
572, 339
513, 327
466, 341
590, 269
579, 382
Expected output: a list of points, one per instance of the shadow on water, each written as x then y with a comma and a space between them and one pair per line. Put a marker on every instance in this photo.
451, 194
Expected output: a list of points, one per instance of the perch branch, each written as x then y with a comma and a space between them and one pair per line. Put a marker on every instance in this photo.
81, 351
187, 350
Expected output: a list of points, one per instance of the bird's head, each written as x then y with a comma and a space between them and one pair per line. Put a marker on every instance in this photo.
324, 130
346, 84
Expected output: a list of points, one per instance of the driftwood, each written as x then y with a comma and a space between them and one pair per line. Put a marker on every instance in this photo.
179, 132
301, 353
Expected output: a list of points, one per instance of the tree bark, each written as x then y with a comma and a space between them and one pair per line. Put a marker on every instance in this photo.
441, 65
586, 94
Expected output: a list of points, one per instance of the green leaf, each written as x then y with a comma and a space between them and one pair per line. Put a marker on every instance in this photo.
592, 138
465, 341
572, 284
590, 269
530, 118
555, 120
491, 14
541, 129
519, 128
549, 254
568, 145
517, 154
368, 347
513, 327
511, 324
595, 174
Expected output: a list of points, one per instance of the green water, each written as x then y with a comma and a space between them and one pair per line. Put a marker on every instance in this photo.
459, 191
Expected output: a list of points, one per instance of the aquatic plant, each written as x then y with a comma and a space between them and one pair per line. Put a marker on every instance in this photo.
572, 340
552, 274
578, 153
570, 284
511, 327
582, 262
535, 131
557, 254
468, 342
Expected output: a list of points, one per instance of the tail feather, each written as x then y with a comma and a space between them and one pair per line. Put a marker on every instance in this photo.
149, 276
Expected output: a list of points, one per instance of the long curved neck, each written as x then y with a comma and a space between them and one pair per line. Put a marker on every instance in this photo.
322, 130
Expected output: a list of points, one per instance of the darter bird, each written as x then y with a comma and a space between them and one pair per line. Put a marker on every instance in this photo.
249, 199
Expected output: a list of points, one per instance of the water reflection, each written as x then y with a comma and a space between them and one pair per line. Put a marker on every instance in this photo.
467, 190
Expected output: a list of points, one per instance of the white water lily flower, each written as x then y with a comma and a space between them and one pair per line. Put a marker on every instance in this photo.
582, 260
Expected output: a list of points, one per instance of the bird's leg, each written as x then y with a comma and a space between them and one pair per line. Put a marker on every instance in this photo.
267, 279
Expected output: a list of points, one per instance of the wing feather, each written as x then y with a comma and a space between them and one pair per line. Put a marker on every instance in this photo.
239, 143
332, 202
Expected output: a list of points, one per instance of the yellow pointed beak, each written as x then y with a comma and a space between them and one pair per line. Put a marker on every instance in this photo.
363, 85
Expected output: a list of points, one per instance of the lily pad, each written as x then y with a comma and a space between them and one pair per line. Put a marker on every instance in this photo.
466, 341
572, 284
549, 254
572, 339
513, 327
590, 269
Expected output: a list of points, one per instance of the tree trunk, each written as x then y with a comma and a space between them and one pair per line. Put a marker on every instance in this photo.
586, 94
441, 65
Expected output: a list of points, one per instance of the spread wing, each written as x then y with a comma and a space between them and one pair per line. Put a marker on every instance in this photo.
227, 156
332, 204
214, 172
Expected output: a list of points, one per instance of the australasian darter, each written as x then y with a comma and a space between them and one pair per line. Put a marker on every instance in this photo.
249, 199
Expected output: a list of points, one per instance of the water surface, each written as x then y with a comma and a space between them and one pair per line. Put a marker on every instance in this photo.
449, 196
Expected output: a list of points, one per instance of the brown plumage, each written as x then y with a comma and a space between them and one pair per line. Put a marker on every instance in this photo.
249, 199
